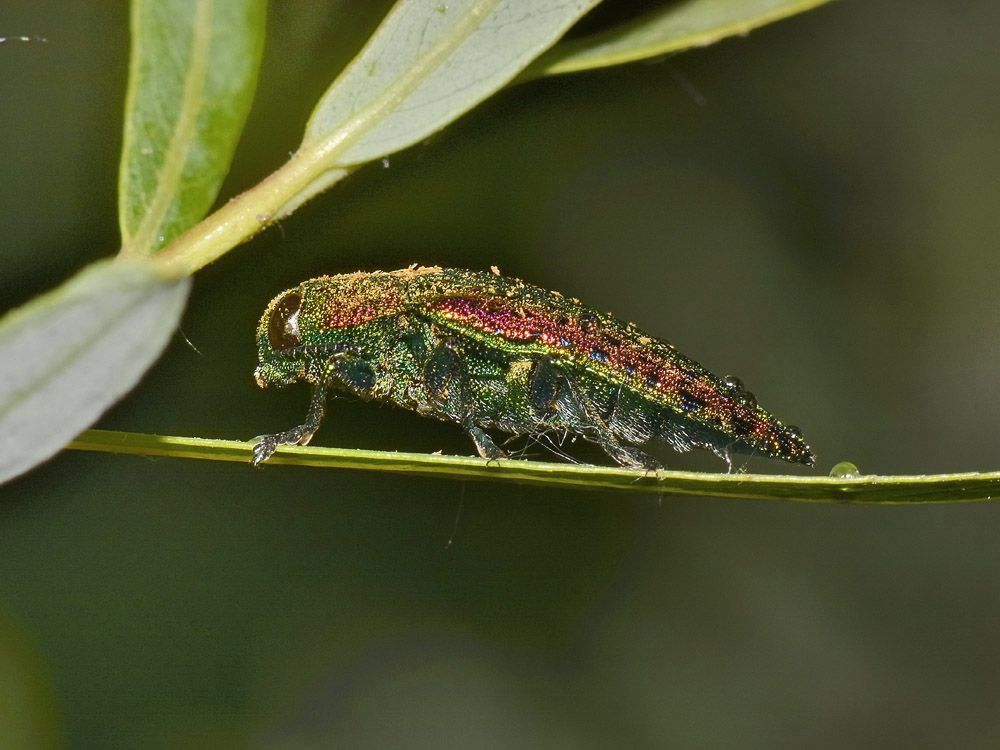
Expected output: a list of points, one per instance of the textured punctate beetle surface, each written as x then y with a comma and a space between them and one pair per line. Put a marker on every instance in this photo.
493, 353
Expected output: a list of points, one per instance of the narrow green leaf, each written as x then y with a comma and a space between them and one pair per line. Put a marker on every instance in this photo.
192, 75
428, 63
666, 29
870, 489
68, 355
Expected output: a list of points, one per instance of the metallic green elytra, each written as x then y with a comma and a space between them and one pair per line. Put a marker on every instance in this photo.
490, 352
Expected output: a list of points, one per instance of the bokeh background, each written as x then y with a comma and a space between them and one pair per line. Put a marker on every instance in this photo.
812, 207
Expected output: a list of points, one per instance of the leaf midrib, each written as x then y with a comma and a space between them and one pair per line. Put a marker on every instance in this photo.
349, 132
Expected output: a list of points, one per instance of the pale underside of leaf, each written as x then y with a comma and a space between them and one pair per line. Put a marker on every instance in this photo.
667, 29
428, 63
68, 355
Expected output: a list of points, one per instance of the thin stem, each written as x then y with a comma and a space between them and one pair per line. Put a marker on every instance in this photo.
300, 178
871, 490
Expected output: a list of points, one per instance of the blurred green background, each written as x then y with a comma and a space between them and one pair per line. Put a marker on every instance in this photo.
812, 207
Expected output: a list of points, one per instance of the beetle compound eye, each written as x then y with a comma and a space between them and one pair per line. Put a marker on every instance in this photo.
283, 328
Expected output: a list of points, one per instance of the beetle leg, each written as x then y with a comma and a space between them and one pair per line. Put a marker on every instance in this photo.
485, 446
301, 435
595, 424
445, 381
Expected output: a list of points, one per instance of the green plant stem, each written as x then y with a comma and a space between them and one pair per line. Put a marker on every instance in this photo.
303, 176
869, 490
